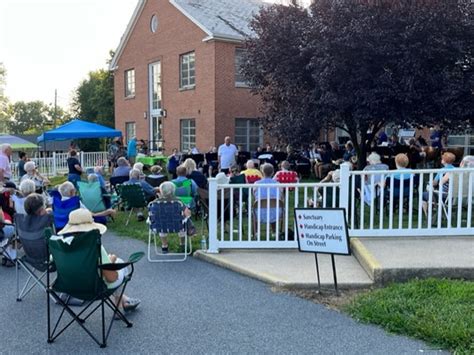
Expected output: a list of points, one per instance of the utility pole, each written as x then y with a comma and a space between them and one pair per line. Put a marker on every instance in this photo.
55, 106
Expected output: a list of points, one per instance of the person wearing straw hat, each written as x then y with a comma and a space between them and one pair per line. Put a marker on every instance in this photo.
81, 221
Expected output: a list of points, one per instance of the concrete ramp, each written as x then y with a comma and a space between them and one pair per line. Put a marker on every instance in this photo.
373, 261
290, 268
400, 259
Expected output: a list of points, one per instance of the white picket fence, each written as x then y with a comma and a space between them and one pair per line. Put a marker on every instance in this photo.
57, 163
392, 208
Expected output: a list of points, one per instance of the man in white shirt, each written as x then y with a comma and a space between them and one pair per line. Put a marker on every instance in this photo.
227, 154
5, 169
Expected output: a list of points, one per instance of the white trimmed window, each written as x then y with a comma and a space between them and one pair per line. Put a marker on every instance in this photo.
248, 134
188, 134
130, 131
239, 60
187, 71
130, 83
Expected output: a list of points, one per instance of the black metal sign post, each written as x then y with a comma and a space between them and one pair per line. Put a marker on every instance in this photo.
334, 274
317, 272
322, 231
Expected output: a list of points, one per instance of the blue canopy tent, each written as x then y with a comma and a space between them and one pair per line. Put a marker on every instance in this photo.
77, 129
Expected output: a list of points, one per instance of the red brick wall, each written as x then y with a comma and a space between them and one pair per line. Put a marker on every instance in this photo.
176, 35
231, 102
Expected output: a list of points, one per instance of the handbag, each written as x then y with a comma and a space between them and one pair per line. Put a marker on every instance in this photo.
190, 228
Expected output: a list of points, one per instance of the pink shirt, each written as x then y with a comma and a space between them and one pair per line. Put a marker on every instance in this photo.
5, 165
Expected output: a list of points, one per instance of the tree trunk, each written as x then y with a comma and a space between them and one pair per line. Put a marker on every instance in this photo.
362, 156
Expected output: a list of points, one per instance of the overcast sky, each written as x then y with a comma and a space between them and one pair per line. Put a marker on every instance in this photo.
53, 44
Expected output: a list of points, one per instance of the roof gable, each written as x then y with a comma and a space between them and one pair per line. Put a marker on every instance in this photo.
219, 19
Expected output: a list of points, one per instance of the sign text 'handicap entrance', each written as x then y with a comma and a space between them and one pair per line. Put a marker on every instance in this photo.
322, 231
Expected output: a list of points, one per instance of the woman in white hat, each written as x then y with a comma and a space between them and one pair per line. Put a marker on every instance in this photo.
81, 221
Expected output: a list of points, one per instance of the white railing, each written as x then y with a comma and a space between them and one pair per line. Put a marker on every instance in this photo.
239, 217
407, 203
376, 204
57, 163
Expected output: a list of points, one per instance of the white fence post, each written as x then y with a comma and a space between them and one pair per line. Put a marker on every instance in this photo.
344, 188
82, 158
213, 242
55, 168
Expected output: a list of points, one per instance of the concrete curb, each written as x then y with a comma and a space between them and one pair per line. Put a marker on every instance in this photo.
366, 260
211, 258
269, 279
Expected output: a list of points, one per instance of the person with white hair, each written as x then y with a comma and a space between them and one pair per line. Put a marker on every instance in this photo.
167, 192
467, 162
67, 190
27, 187
139, 166
150, 191
5, 156
194, 174
375, 163
123, 167
33, 175
251, 174
99, 173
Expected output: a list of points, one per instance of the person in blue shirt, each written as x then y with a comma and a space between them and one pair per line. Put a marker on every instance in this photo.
382, 138
99, 172
350, 151
173, 162
132, 150
267, 214
435, 138
150, 191
442, 178
123, 168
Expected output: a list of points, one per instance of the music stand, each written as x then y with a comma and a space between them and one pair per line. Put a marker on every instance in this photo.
242, 158
198, 158
279, 156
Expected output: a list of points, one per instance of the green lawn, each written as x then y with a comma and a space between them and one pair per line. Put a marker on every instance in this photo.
139, 230
440, 312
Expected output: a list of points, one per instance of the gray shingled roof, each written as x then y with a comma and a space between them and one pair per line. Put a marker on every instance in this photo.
221, 18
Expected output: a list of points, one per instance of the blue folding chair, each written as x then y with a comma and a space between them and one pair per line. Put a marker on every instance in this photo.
167, 217
61, 209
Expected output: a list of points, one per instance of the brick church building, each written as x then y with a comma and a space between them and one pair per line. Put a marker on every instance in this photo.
177, 79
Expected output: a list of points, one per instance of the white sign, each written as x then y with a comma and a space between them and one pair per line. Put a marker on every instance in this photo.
322, 231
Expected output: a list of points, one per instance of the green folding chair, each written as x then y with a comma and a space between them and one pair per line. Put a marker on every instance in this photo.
131, 197
79, 269
91, 196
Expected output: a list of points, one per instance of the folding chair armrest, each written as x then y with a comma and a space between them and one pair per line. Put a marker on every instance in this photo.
133, 258
114, 267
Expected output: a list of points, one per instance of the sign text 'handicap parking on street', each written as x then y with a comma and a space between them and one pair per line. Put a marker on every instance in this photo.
322, 231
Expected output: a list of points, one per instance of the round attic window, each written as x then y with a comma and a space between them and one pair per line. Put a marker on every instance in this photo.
154, 23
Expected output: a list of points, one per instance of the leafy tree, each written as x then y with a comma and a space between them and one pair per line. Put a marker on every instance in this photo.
370, 62
278, 70
3, 100
94, 102
94, 99
28, 117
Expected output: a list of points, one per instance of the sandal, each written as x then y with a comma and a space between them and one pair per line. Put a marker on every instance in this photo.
131, 304
7, 262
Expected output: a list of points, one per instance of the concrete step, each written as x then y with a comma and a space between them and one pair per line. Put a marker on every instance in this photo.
399, 259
